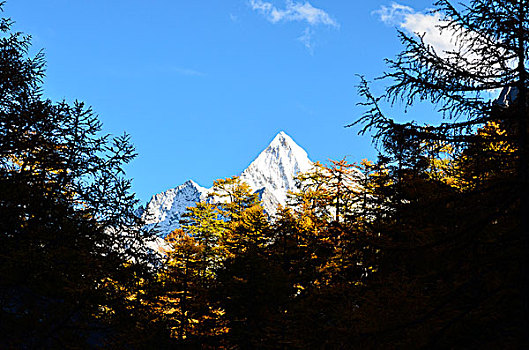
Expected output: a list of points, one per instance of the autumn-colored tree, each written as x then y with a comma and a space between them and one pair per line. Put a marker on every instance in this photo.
204, 223
210, 280
329, 190
183, 292
252, 287
233, 196
327, 258
239, 208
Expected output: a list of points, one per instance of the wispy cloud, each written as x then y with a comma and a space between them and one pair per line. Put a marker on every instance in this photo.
186, 71
395, 14
306, 39
294, 11
419, 23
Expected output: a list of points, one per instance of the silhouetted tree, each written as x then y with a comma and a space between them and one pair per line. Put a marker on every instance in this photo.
454, 235
70, 245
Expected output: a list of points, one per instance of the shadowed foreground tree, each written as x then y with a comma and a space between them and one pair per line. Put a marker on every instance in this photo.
70, 247
454, 238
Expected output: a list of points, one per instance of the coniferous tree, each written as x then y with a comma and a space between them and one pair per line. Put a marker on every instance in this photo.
454, 232
331, 190
183, 297
204, 223
237, 203
234, 196
70, 244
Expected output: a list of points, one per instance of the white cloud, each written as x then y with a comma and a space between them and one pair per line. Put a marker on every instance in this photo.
296, 12
293, 12
395, 14
429, 26
415, 22
444, 42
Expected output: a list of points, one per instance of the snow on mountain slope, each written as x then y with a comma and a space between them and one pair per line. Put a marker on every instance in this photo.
271, 175
165, 209
276, 167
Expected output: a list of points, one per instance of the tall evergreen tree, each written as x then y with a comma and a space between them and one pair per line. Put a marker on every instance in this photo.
455, 233
68, 236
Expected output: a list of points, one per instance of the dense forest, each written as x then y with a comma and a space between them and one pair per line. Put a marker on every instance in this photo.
425, 247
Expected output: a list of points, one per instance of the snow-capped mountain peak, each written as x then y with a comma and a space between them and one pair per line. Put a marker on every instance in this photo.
271, 175
165, 209
276, 167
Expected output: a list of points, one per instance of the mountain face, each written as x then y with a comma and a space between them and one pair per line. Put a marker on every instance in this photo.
165, 209
270, 175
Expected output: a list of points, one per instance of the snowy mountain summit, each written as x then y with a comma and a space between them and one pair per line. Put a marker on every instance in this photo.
165, 209
270, 175
274, 169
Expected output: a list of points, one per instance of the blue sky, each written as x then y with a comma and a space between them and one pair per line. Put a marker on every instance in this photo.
203, 86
